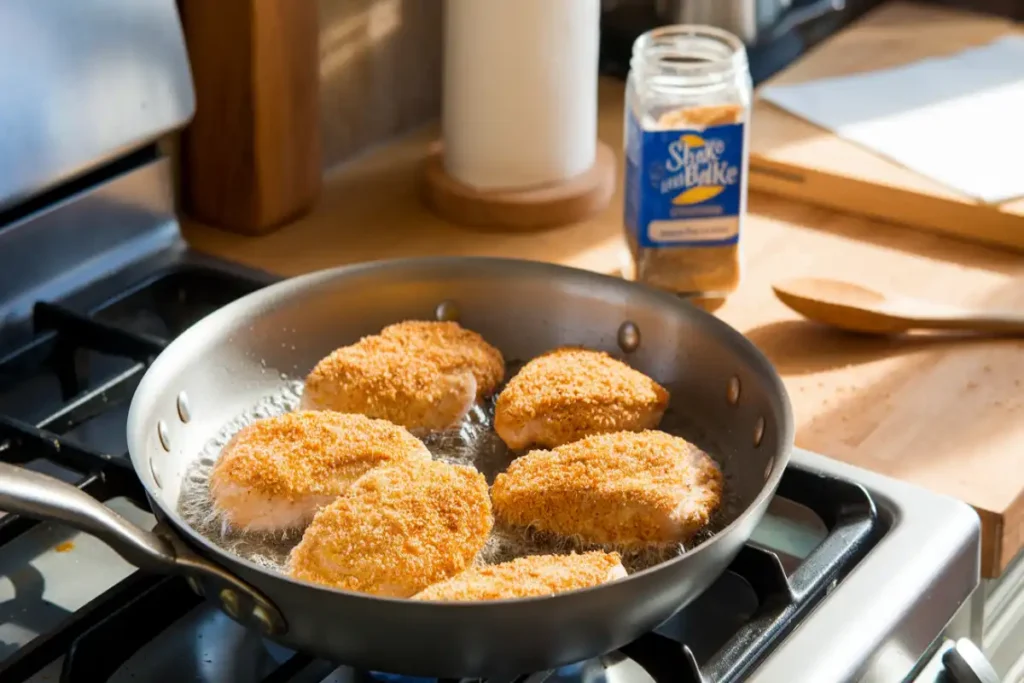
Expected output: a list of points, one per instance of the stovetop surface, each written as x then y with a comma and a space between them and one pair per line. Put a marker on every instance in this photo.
72, 610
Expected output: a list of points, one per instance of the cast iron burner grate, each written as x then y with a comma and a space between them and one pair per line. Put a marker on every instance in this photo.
64, 398
82, 368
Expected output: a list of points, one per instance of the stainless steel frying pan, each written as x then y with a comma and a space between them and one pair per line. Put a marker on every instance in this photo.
227, 362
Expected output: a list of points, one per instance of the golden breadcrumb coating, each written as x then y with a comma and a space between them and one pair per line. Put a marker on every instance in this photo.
528, 577
626, 489
275, 473
453, 348
379, 379
397, 530
570, 393
421, 375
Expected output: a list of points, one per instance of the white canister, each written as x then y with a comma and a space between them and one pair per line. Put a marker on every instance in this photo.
520, 91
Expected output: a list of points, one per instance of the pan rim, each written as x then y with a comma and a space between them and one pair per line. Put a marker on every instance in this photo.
254, 300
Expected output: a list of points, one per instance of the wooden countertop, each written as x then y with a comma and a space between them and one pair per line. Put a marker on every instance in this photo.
943, 414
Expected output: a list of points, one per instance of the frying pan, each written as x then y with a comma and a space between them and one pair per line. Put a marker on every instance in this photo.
228, 361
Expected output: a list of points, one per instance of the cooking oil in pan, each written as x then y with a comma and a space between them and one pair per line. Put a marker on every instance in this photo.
474, 443
196, 506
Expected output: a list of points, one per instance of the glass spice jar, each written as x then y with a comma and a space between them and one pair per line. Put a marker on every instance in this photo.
688, 99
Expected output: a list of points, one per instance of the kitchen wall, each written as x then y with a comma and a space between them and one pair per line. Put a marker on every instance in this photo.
380, 71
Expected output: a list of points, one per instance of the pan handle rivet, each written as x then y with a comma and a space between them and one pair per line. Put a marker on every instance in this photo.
733, 393
196, 587
229, 601
163, 435
262, 618
758, 431
629, 337
156, 477
447, 310
183, 410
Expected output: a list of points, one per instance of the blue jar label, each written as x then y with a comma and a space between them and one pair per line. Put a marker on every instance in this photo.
685, 187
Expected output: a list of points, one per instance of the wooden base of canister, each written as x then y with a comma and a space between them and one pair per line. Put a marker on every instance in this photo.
537, 208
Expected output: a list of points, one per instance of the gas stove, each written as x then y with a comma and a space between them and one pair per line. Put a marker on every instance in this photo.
851, 576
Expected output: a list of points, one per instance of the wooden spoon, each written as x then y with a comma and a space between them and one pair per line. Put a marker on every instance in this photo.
859, 309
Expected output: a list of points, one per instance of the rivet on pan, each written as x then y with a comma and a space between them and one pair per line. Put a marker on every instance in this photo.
163, 434
629, 336
758, 431
262, 618
732, 394
156, 477
196, 587
447, 310
768, 468
183, 411
229, 601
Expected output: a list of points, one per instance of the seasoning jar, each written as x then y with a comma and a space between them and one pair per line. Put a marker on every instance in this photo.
688, 99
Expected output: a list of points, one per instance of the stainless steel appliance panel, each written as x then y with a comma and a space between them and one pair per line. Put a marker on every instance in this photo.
84, 82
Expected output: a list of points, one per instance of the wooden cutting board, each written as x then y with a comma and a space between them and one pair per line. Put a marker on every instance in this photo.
799, 160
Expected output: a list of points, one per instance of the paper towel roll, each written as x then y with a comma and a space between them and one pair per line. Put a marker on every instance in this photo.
520, 91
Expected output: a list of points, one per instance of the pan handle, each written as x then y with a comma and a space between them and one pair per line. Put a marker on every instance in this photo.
38, 496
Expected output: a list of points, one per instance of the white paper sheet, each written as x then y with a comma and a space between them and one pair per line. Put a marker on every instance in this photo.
957, 119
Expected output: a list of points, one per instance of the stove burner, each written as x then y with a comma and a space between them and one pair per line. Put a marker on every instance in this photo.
88, 361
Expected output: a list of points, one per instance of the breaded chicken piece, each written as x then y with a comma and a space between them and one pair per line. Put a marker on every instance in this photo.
398, 530
570, 393
528, 577
626, 489
453, 348
275, 473
422, 375
375, 377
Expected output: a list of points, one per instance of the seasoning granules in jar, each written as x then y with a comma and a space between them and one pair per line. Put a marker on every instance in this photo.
688, 101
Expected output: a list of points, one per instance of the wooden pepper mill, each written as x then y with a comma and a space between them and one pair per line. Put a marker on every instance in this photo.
251, 158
